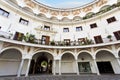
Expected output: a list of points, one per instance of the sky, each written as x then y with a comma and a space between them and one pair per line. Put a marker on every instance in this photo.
64, 3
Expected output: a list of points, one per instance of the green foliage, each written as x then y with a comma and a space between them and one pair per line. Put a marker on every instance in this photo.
109, 36
44, 64
102, 11
87, 41
52, 42
29, 37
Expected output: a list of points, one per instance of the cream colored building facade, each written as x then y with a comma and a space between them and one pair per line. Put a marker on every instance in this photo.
80, 38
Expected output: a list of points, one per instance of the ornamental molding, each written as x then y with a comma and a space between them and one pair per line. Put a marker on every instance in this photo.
6, 45
64, 12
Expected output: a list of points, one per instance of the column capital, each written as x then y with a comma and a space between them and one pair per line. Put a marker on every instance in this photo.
27, 56
94, 58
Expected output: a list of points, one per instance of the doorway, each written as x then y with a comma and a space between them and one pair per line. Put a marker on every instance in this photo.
45, 40
98, 39
42, 65
84, 67
105, 67
18, 36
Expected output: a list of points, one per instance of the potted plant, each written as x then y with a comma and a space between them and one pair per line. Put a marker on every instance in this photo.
109, 37
29, 37
52, 42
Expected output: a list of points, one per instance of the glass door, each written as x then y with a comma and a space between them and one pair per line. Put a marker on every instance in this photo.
84, 67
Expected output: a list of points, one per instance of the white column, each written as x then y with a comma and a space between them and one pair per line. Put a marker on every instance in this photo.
96, 67
28, 67
77, 71
20, 68
54, 67
118, 60
59, 67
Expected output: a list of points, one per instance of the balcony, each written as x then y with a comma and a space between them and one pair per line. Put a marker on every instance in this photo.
45, 30
5, 34
57, 44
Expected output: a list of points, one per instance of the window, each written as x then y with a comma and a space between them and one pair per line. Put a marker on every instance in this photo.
79, 28
94, 25
4, 13
112, 19
117, 35
65, 29
23, 21
47, 28
98, 39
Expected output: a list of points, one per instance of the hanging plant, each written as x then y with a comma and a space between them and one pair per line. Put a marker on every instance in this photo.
109, 37
44, 63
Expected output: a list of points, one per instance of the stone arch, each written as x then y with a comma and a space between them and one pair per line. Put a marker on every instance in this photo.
85, 61
104, 7
66, 19
67, 52
85, 52
90, 14
103, 50
38, 58
77, 18
10, 59
7, 48
43, 51
14, 1
85, 55
68, 59
17, 54
42, 15
27, 9
106, 61
54, 18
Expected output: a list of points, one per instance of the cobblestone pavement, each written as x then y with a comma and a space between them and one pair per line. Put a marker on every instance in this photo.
65, 77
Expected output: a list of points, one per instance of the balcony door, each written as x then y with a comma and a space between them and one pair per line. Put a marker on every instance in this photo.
98, 39
117, 35
45, 40
18, 36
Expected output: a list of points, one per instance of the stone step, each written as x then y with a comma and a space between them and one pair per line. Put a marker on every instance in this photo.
65, 77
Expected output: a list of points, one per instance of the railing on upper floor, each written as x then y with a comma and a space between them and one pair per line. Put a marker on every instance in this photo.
5, 34
42, 29
8, 35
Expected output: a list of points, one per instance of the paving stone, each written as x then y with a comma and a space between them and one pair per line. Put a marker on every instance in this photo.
65, 77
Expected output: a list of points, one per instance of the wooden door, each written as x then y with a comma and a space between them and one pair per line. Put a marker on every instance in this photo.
98, 39
18, 36
46, 39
